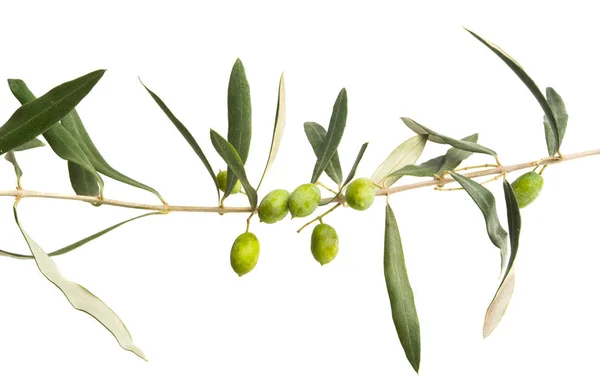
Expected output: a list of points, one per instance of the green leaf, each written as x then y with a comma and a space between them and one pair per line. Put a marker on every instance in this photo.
277, 129
441, 139
504, 293
34, 143
316, 135
553, 141
234, 162
36, 117
239, 115
65, 146
351, 174
455, 156
429, 168
187, 135
405, 154
337, 124
79, 297
77, 244
560, 114
10, 156
404, 312
487, 204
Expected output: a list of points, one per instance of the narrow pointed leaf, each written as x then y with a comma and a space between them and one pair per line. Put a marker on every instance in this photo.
234, 162
404, 312
351, 174
186, 134
277, 129
337, 124
553, 141
455, 156
239, 115
316, 135
37, 116
83, 182
441, 139
34, 143
429, 168
560, 114
78, 243
487, 204
10, 156
498, 306
407, 153
79, 297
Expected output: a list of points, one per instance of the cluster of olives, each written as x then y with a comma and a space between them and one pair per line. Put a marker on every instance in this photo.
302, 202
527, 188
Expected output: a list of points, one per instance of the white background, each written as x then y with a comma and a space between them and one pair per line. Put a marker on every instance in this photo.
169, 278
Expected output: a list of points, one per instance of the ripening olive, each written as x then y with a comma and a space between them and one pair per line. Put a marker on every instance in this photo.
324, 243
244, 253
304, 200
360, 194
274, 206
527, 187
222, 183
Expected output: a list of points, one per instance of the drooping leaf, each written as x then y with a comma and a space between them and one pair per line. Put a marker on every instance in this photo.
404, 312
277, 129
441, 139
553, 141
429, 168
66, 146
10, 156
34, 143
79, 297
234, 162
329, 146
487, 204
498, 306
187, 135
316, 135
239, 115
37, 116
455, 156
405, 154
78, 243
351, 174
559, 110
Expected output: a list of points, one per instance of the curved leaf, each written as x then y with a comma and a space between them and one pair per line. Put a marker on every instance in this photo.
10, 156
316, 135
351, 174
33, 143
186, 134
553, 141
83, 182
234, 162
277, 129
405, 154
455, 156
337, 124
37, 116
404, 312
239, 116
429, 168
79, 297
560, 114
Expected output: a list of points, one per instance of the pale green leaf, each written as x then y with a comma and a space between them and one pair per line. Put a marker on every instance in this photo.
407, 153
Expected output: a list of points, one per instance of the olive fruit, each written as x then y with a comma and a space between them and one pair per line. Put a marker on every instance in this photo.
360, 194
324, 243
244, 253
304, 200
222, 183
274, 206
527, 187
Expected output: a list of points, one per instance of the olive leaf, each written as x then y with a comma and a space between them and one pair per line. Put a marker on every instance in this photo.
552, 139
316, 135
239, 116
84, 178
329, 146
186, 134
504, 293
441, 139
351, 174
455, 156
79, 297
405, 154
78, 243
234, 162
35, 117
404, 312
277, 129
428, 168
10, 156
31, 144
487, 204
557, 105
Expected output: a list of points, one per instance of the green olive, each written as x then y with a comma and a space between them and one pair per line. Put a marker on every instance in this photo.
324, 243
244, 253
527, 187
274, 206
304, 200
360, 194
222, 183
